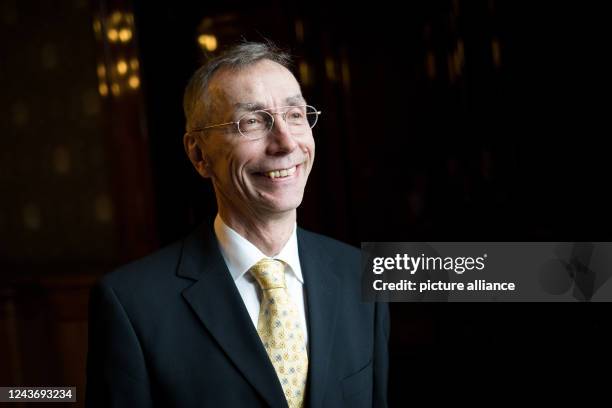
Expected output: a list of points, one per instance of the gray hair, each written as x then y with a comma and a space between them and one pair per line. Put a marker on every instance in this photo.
197, 104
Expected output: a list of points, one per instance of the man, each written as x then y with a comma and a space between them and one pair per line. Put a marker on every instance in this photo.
254, 311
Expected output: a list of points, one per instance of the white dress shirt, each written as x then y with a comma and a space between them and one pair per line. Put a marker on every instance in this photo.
240, 255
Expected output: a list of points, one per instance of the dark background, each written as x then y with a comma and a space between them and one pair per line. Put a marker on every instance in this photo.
442, 121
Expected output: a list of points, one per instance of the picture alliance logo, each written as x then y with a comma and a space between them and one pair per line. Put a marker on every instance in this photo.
411, 264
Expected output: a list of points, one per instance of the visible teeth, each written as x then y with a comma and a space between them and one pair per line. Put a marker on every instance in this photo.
280, 173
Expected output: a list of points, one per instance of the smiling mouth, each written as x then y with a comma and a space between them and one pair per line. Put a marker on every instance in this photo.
279, 173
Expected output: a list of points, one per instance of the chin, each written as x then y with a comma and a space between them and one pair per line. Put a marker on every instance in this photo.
283, 207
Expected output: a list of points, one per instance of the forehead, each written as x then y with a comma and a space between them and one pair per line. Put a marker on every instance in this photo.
265, 83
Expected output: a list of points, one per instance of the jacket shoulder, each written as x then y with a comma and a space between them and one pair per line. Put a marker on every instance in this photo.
329, 246
326, 241
152, 270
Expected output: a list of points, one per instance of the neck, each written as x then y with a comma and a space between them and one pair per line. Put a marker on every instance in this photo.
268, 233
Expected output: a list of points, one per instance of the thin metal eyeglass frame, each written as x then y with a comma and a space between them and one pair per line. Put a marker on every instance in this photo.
262, 110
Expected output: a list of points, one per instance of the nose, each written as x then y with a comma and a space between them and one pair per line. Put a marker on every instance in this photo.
280, 137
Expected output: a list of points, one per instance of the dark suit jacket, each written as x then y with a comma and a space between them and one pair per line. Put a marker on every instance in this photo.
171, 330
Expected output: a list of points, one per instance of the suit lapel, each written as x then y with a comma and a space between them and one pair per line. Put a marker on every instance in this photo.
216, 301
321, 297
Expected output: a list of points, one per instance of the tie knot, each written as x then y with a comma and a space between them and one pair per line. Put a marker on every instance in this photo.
269, 273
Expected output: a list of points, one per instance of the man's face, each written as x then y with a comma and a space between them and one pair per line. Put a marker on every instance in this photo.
240, 168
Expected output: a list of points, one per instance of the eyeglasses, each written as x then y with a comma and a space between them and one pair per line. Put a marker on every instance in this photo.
257, 124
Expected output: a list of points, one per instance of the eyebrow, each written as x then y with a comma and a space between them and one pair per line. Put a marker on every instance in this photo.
255, 106
248, 106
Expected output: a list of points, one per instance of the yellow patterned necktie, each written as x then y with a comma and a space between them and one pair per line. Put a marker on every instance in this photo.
280, 330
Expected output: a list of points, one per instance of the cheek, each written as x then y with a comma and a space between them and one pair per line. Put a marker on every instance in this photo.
219, 163
309, 149
237, 163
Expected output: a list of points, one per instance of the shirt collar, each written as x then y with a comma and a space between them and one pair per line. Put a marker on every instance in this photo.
240, 254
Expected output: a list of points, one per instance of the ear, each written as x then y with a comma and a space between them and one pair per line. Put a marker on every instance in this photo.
196, 155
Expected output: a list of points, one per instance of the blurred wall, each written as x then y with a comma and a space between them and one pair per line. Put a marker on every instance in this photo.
446, 120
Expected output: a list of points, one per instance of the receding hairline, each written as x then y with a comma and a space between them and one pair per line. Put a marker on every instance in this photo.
231, 70
216, 85
237, 58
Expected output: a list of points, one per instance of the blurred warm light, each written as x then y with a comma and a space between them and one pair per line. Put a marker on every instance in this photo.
97, 26
346, 74
304, 73
125, 34
460, 48
456, 61
134, 64
112, 35
103, 89
299, 30
101, 70
208, 42
496, 52
61, 160
103, 208
134, 82
116, 89
330, 68
122, 67
116, 17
